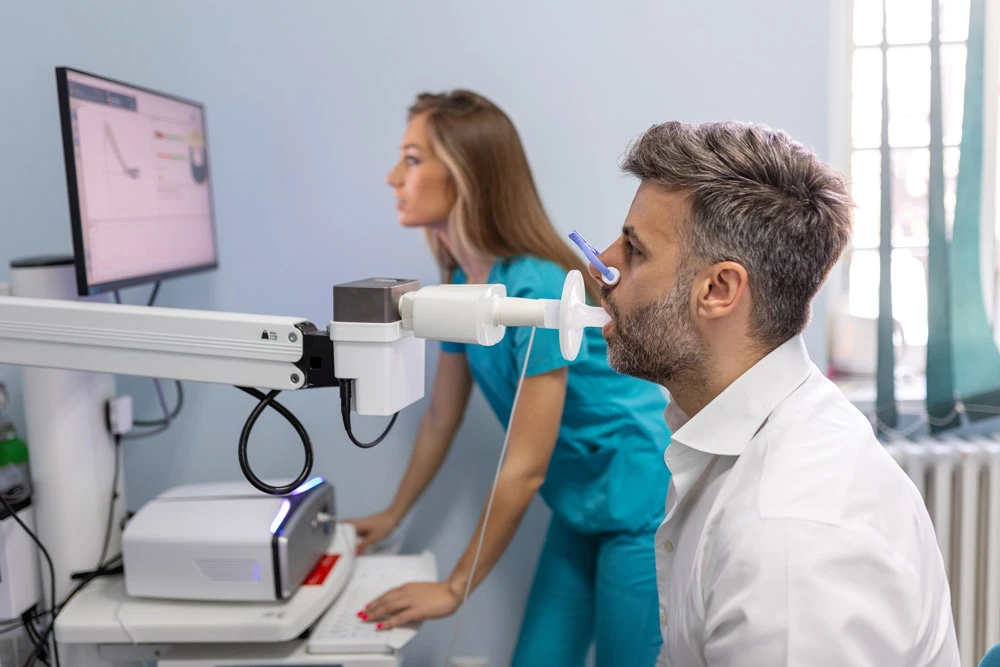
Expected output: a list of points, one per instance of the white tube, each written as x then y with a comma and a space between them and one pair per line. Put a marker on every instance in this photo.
517, 312
72, 455
589, 316
479, 314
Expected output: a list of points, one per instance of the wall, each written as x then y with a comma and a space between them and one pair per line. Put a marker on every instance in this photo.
306, 105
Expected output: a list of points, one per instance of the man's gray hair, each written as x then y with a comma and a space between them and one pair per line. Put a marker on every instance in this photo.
759, 198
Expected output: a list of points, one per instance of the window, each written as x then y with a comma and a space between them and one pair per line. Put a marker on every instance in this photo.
908, 55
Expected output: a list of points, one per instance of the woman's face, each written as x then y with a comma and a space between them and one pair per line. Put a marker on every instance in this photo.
420, 181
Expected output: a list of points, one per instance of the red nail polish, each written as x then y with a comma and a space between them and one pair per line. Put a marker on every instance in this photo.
378, 627
363, 616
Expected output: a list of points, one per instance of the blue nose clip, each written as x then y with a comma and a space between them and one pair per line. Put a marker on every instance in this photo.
609, 274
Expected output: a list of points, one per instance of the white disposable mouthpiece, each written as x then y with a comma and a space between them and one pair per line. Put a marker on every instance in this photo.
480, 314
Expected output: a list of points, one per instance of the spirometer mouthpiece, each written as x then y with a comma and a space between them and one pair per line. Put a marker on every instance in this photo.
575, 315
480, 314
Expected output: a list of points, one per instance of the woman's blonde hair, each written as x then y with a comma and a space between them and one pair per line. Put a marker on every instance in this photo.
497, 210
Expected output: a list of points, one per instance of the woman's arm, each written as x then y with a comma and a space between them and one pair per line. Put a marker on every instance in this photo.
449, 398
533, 433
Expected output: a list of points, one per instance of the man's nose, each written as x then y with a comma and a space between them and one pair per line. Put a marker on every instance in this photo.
594, 273
609, 258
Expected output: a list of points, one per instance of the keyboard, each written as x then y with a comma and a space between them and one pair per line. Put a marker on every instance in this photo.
341, 631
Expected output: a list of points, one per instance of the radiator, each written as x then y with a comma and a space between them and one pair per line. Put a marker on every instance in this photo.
959, 479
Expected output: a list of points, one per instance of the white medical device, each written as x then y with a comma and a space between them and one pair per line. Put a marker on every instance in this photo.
479, 314
149, 154
374, 340
227, 541
373, 347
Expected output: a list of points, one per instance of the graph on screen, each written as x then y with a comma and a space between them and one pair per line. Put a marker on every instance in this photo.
142, 173
115, 185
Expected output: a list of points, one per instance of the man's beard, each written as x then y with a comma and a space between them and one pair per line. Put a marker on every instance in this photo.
658, 342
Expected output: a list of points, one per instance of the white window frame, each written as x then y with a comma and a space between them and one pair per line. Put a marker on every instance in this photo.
840, 148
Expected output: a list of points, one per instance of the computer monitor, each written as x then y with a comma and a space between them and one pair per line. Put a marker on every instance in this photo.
139, 183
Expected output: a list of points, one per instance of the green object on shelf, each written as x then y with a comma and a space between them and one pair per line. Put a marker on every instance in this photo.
15, 484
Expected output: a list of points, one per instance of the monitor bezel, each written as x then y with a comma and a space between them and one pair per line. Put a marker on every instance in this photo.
84, 288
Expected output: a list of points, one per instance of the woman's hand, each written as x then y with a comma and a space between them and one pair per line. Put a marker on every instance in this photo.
417, 601
373, 529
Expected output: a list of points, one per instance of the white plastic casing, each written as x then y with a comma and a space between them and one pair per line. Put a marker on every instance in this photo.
120, 415
224, 541
385, 361
226, 554
454, 313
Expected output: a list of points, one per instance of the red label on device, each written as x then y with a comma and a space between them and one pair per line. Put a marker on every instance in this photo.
322, 569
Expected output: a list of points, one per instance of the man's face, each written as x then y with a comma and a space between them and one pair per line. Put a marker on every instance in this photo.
652, 333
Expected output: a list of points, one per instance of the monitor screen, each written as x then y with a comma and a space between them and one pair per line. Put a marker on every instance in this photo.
138, 176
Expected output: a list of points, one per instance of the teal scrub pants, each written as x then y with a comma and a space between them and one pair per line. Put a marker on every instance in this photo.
592, 588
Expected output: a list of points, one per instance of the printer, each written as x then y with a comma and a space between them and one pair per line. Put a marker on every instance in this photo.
227, 542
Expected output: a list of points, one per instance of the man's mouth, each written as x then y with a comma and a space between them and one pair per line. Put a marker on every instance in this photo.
612, 312
607, 304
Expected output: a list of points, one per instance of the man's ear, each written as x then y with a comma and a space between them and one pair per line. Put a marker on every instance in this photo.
721, 288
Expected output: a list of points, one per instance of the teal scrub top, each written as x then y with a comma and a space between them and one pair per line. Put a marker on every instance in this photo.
607, 471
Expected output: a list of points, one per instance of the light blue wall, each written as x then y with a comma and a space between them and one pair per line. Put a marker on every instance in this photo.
306, 104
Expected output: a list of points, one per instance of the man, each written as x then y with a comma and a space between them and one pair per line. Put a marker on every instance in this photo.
791, 538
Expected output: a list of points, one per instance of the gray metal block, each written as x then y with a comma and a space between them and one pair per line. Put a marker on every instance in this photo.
374, 300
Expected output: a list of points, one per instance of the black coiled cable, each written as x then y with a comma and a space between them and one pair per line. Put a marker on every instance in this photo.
266, 401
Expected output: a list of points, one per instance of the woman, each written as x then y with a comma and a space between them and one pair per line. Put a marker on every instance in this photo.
589, 440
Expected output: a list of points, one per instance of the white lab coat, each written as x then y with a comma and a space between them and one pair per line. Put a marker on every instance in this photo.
792, 538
